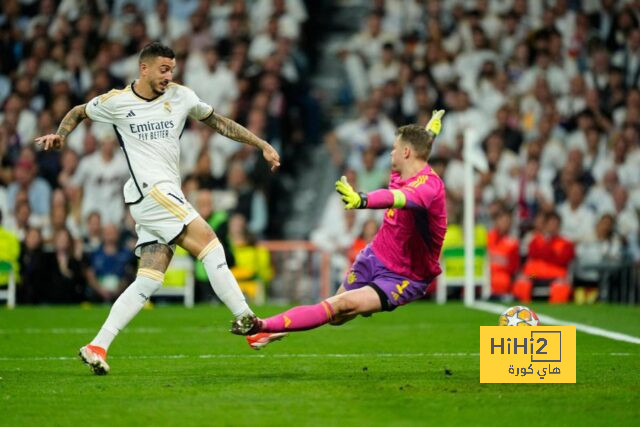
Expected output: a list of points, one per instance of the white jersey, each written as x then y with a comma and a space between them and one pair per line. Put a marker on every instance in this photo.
149, 132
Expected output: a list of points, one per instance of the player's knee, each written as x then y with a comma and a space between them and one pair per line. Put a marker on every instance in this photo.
214, 246
344, 305
148, 281
209, 234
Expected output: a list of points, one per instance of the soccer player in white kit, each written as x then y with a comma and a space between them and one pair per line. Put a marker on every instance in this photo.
148, 117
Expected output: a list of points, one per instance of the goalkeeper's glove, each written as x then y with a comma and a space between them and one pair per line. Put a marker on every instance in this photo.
351, 198
435, 124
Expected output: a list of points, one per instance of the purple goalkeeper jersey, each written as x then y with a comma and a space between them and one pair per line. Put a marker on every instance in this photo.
410, 239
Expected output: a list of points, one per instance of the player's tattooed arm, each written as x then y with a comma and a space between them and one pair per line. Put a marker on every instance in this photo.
237, 132
67, 125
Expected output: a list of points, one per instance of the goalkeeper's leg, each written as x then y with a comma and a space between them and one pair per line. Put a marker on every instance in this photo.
262, 339
338, 308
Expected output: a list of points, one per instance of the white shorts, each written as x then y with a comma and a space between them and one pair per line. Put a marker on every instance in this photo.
161, 216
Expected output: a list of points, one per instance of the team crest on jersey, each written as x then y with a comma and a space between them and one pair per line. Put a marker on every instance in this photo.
419, 181
351, 278
167, 106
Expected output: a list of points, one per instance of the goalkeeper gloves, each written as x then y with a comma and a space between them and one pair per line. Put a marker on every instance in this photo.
351, 198
435, 124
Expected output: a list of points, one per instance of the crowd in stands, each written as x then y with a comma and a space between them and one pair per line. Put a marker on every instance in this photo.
547, 92
65, 208
548, 95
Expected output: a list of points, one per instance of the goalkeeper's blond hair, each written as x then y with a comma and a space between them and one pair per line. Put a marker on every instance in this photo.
418, 138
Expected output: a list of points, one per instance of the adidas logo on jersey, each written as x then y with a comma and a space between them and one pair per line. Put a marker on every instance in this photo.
131, 114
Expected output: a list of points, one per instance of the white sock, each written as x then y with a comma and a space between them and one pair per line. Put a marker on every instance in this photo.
128, 304
222, 281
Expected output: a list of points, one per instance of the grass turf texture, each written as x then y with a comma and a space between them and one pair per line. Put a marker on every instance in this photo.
418, 365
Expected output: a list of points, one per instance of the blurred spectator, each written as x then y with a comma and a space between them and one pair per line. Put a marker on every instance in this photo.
372, 176
603, 248
69, 165
92, 236
252, 267
291, 14
628, 59
9, 253
547, 263
37, 189
251, 202
369, 230
22, 220
504, 255
599, 198
160, 25
264, 44
212, 79
202, 172
338, 229
529, 194
627, 224
365, 48
61, 279
371, 130
32, 267
20, 118
111, 267
577, 219
386, 69
101, 176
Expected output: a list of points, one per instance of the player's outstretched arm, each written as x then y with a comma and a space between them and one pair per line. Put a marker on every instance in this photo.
67, 125
378, 199
237, 132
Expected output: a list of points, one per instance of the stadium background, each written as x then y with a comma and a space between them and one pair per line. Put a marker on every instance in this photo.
550, 91
549, 88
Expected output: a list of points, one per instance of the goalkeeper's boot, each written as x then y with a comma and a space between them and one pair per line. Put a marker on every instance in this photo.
262, 339
96, 358
248, 324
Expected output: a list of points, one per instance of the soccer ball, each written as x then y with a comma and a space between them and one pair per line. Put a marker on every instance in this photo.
518, 315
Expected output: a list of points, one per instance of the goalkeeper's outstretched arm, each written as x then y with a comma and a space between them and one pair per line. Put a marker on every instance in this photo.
383, 198
378, 199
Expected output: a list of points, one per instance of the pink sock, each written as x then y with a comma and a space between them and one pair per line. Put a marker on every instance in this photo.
299, 318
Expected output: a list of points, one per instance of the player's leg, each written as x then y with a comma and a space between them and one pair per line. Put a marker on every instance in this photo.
200, 240
262, 339
154, 260
386, 292
345, 319
339, 307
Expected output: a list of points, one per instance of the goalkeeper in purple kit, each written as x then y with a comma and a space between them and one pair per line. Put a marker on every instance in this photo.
403, 259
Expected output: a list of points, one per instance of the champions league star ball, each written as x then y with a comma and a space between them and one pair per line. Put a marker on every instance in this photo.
518, 315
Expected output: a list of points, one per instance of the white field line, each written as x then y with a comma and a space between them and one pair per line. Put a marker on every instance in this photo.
265, 356
256, 356
548, 320
72, 331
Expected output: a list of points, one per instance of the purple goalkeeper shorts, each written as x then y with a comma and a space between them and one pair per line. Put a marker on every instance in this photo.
392, 288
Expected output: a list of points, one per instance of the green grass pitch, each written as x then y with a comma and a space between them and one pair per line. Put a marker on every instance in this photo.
416, 366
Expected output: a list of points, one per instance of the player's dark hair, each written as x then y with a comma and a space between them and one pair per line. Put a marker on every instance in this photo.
155, 49
418, 138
